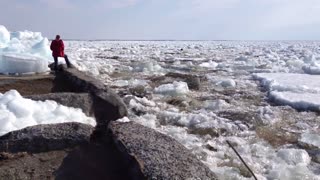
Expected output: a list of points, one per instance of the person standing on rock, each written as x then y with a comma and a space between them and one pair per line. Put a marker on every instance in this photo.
57, 48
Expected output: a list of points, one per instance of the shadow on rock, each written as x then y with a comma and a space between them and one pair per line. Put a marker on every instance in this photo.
98, 161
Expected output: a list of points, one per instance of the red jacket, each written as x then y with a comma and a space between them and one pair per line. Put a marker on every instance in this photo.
57, 48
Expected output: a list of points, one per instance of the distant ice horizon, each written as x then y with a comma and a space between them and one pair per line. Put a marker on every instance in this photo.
191, 40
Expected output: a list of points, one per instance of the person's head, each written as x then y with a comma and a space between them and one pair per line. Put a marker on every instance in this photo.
57, 37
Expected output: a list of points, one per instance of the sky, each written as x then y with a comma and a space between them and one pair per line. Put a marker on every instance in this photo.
166, 19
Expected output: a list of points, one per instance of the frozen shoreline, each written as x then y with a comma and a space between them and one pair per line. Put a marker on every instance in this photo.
228, 106
278, 142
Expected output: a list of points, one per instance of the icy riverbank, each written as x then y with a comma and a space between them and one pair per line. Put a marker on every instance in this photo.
229, 104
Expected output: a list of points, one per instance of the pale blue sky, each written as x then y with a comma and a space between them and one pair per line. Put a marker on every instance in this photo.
166, 19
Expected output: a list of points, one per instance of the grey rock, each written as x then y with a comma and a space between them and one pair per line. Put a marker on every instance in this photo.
73, 80
139, 91
103, 158
107, 105
194, 83
75, 100
160, 156
44, 138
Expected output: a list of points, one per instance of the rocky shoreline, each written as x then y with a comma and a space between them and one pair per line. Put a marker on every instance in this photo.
111, 150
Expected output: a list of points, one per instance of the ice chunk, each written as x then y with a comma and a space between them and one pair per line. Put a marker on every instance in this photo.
148, 67
23, 52
226, 83
210, 64
289, 82
294, 156
292, 173
311, 139
124, 120
301, 101
18, 63
300, 91
4, 36
241, 58
267, 115
174, 89
131, 82
17, 113
314, 68
216, 105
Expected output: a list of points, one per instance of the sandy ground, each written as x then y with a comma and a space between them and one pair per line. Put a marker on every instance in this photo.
27, 85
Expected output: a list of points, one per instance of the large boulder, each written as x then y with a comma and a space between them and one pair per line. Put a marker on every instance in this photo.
107, 105
75, 100
159, 156
44, 138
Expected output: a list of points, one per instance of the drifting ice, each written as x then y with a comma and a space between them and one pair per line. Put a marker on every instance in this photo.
300, 91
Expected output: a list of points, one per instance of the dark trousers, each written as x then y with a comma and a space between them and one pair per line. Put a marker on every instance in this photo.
56, 62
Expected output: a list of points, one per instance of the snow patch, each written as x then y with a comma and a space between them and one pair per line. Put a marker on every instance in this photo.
17, 113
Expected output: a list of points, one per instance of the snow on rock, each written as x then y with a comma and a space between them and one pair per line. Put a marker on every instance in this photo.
17, 113
23, 52
174, 89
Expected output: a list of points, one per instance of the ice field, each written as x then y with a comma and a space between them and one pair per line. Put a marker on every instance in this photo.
263, 97
249, 93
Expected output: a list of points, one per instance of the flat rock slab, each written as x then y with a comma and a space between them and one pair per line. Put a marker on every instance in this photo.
28, 85
75, 100
44, 138
160, 156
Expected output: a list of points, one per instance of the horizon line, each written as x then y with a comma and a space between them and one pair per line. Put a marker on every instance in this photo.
195, 40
